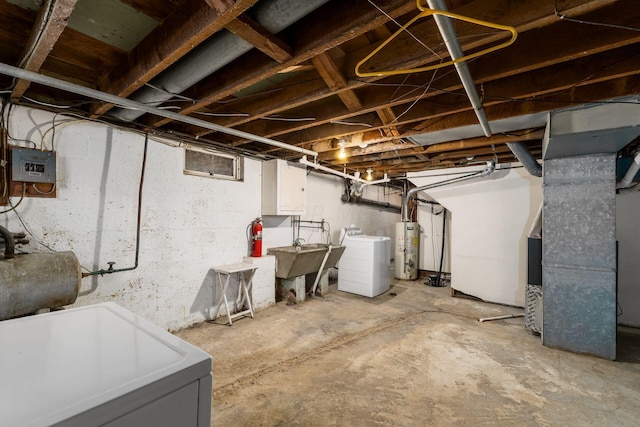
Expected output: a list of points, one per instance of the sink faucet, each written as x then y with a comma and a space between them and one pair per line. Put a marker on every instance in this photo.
297, 243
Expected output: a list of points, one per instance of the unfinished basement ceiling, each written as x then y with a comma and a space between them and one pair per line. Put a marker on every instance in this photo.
285, 70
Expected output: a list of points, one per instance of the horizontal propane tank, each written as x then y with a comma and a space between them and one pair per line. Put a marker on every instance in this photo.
30, 282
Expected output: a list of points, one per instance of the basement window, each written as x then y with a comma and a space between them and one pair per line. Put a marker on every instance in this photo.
213, 164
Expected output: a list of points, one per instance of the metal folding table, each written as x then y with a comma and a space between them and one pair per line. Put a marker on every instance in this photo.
224, 273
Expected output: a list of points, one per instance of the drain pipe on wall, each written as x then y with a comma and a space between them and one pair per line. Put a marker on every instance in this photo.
319, 274
111, 270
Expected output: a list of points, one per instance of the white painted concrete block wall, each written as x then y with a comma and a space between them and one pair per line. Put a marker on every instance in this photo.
490, 219
189, 224
323, 202
264, 281
628, 236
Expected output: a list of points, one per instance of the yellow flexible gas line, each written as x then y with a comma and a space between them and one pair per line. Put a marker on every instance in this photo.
428, 12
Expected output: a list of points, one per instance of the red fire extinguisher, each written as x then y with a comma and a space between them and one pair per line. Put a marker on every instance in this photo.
256, 237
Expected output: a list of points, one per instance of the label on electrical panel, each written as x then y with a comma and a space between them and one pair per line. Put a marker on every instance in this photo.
28, 165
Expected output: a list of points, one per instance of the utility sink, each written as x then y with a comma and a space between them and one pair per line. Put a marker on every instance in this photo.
293, 261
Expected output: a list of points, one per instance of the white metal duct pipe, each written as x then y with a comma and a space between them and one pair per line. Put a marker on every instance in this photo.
625, 182
19, 73
525, 157
216, 52
455, 51
491, 166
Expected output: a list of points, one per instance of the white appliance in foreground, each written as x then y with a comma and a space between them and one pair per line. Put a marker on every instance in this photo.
364, 268
100, 365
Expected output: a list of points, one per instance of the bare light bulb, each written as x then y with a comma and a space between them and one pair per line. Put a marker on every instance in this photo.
369, 176
342, 154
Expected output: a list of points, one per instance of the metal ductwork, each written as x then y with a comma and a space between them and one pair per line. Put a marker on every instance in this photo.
214, 53
525, 157
455, 51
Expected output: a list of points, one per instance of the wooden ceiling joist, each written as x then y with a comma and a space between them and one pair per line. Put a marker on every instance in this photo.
50, 23
334, 79
299, 86
182, 31
584, 73
315, 36
256, 35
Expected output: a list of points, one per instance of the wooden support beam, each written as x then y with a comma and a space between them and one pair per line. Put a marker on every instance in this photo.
256, 35
389, 150
516, 61
314, 36
182, 31
533, 85
334, 79
531, 19
49, 25
388, 117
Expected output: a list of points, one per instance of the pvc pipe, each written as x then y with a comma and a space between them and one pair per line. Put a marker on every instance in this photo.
455, 51
324, 261
625, 182
318, 166
124, 102
508, 316
491, 166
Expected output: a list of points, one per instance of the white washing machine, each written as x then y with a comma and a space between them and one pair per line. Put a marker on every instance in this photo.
364, 268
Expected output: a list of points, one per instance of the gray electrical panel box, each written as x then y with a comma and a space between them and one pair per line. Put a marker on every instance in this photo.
29, 165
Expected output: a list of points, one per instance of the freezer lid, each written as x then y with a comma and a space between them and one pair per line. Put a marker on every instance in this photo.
56, 365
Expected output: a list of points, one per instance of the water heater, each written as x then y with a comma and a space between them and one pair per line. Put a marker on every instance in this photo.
407, 248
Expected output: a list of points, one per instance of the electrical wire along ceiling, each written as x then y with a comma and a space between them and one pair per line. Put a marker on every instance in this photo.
370, 86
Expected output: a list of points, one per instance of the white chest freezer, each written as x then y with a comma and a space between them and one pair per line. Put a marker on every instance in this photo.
365, 264
100, 365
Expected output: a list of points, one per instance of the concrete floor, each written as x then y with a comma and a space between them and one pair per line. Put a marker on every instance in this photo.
417, 358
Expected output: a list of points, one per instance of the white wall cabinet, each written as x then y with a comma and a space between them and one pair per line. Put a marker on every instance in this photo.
283, 188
